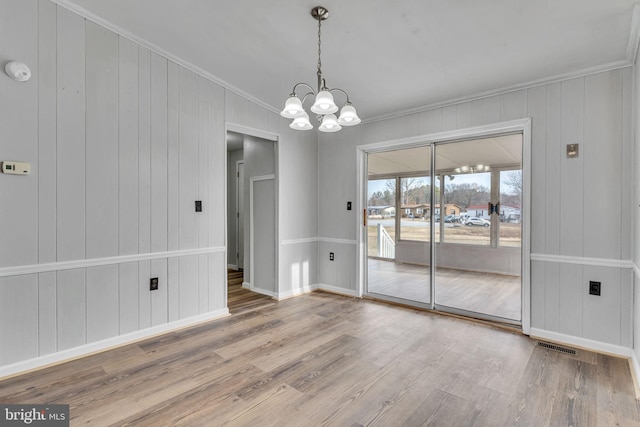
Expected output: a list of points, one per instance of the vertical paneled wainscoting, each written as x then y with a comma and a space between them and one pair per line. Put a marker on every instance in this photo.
564, 311
340, 274
52, 312
301, 275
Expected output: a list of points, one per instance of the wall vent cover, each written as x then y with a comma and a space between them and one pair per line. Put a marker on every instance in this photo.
558, 348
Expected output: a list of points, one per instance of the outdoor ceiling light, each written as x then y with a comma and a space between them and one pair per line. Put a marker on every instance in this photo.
479, 168
324, 105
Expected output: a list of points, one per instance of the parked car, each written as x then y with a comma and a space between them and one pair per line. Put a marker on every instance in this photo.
477, 221
513, 219
451, 218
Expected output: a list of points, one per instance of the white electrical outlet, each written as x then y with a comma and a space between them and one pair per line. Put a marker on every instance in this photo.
16, 168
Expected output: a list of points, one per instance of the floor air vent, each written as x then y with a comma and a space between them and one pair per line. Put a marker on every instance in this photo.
554, 347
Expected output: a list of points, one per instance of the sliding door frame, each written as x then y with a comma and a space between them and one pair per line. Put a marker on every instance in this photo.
522, 126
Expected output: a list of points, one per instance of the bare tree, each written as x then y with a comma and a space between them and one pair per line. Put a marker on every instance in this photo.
514, 182
466, 194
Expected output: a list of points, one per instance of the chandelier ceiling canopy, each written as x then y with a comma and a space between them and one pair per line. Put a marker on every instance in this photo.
324, 105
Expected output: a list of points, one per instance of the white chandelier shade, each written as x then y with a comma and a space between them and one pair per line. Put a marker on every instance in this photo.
293, 108
348, 116
330, 124
301, 123
324, 105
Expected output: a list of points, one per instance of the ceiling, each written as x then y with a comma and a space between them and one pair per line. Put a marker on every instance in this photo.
390, 56
499, 151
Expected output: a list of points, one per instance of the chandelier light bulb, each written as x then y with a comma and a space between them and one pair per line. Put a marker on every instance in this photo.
292, 108
330, 124
348, 116
301, 123
324, 103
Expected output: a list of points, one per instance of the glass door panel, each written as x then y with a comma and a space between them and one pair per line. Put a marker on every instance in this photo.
381, 212
398, 225
478, 262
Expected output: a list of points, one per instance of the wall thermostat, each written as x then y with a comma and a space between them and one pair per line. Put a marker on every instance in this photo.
16, 168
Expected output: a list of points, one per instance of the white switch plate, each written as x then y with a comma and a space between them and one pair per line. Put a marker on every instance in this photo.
16, 168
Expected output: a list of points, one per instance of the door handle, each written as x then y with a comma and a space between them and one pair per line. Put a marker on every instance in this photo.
364, 217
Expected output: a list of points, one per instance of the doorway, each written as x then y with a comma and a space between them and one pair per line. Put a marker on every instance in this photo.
251, 209
446, 223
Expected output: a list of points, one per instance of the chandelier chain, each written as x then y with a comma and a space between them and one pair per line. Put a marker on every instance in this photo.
319, 50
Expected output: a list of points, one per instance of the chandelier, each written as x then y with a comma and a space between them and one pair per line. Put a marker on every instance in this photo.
479, 168
324, 106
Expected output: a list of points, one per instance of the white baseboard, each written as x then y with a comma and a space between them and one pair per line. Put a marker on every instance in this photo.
337, 290
583, 343
107, 344
233, 267
305, 289
248, 286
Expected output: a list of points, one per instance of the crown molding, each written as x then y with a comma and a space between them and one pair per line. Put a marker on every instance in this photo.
504, 90
634, 35
79, 10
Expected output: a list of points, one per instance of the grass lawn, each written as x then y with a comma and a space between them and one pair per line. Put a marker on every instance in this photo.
470, 235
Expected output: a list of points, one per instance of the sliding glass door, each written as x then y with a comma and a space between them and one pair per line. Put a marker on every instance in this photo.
448, 237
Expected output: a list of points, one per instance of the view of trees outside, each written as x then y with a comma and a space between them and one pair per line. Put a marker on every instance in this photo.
510, 208
415, 197
470, 192
472, 197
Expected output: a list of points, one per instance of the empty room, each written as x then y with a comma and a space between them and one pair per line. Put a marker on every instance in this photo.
297, 213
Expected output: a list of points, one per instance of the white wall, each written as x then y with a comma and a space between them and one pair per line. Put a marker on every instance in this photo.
592, 243
298, 213
122, 141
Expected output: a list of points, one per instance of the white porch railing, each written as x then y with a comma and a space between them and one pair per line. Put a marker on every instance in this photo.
386, 245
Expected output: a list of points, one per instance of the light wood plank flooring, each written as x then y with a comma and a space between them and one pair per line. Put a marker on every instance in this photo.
322, 359
240, 299
493, 294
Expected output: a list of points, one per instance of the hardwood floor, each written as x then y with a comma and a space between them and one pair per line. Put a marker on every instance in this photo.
493, 294
322, 359
240, 299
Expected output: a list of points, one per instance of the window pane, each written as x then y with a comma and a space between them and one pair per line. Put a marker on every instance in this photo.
381, 214
510, 203
468, 195
415, 198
